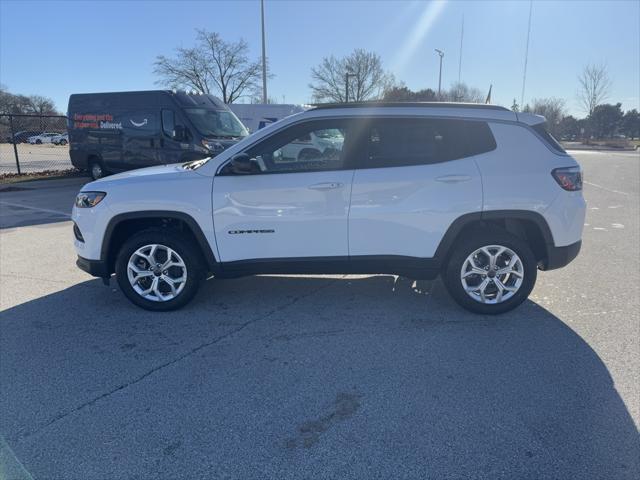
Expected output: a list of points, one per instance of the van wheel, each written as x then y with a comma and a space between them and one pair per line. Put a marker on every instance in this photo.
159, 269
491, 272
38, 142
96, 170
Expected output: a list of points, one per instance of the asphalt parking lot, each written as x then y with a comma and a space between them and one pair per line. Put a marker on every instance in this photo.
320, 376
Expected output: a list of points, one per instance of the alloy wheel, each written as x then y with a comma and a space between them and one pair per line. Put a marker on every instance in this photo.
156, 273
492, 274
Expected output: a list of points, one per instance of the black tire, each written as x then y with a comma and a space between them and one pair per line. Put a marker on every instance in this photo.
96, 169
38, 142
178, 242
62, 142
468, 245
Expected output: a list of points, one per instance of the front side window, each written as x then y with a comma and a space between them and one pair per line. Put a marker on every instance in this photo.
168, 122
216, 123
396, 142
313, 146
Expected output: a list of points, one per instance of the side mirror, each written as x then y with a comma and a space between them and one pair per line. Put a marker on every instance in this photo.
179, 133
241, 164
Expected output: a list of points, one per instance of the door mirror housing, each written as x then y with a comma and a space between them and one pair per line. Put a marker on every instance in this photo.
179, 133
241, 164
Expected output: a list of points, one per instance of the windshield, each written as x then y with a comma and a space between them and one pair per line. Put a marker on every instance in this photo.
216, 123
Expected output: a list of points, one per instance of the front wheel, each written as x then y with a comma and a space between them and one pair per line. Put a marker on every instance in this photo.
96, 170
159, 269
491, 272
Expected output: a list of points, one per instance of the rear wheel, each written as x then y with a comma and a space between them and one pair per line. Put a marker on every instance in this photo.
159, 270
491, 272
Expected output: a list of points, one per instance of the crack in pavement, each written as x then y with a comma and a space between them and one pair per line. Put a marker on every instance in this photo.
82, 406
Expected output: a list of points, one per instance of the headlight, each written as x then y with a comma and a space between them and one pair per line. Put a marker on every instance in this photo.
89, 199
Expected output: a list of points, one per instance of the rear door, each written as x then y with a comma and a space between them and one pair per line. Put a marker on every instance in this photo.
415, 178
290, 206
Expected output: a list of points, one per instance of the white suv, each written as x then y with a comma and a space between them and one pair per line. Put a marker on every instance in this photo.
477, 193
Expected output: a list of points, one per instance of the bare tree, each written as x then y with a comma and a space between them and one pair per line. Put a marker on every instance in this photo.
552, 108
212, 66
366, 77
40, 105
229, 66
187, 70
22, 104
594, 86
461, 92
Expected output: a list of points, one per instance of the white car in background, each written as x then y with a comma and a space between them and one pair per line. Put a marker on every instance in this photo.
61, 139
45, 137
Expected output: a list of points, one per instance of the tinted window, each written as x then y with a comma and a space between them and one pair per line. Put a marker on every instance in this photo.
168, 122
216, 123
312, 146
541, 129
395, 142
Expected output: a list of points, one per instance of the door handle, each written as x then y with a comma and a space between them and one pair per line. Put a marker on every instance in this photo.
326, 186
453, 178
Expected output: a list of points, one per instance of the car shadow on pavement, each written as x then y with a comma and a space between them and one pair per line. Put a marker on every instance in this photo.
363, 377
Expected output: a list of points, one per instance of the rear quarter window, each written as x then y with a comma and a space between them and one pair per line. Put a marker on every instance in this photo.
396, 142
547, 138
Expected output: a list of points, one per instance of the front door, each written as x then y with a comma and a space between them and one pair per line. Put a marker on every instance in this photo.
290, 206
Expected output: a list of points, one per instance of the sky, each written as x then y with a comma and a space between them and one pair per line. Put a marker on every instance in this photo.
55, 48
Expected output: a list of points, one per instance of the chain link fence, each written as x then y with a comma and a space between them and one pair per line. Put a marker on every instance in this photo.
33, 144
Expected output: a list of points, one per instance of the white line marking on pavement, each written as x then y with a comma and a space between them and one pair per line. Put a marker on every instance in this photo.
600, 228
607, 189
615, 206
617, 225
37, 209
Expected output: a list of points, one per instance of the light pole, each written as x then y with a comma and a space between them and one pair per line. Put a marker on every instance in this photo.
264, 57
441, 53
346, 85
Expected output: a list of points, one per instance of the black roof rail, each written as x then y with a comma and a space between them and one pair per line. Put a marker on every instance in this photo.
480, 106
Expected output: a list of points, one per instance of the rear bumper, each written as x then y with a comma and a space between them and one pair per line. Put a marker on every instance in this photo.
97, 268
558, 257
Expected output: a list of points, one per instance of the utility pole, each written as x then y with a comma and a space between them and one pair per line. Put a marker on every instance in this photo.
526, 55
264, 57
441, 53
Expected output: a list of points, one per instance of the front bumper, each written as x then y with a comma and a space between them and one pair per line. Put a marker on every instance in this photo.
97, 268
558, 257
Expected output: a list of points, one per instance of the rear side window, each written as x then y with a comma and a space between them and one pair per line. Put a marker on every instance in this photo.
541, 130
396, 142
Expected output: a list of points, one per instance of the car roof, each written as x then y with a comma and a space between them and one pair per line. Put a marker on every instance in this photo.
463, 105
419, 109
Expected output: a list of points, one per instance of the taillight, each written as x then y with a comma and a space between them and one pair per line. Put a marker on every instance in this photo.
569, 178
